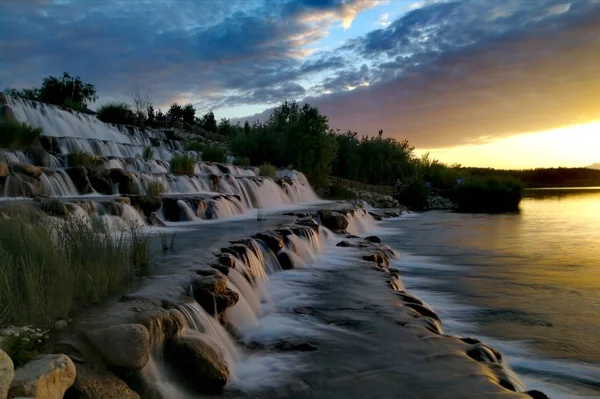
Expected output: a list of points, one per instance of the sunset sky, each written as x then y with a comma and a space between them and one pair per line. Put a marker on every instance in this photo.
503, 83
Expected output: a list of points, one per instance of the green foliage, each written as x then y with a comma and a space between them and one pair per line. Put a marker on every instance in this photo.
49, 267
156, 188
194, 146
147, 152
213, 153
81, 158
118, 113
414, 194
339, 192
15, 135
176, 112
183, 164
267, 170
67, 91
23, 344
490, 193
188, 113
208, 122
241, 161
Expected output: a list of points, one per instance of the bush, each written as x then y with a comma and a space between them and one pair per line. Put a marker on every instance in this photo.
339, 192
267, 170
118, 113
24, 344
194, 146
414, 195
49, 267
213, 153
81, 158
147, 152
15, 135
488, 194
156, 188
183, 164
240, 161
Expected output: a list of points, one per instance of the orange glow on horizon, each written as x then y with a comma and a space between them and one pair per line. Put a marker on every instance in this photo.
570, 146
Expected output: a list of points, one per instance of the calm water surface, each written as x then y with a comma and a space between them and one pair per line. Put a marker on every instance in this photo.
529, 283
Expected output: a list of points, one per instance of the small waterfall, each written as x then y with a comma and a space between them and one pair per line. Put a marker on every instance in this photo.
360, 222
58, 184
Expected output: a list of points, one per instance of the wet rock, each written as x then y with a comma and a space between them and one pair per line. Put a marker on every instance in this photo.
470, 341
171, 210
221, 268
285, 261
485, 354
237, 250
374, 239
100, 180
39, 156
208, 271
117, 176
344, 244
199, 365
308, 222
424, 310
146, 204
333, 221
284, 232
26, 169
93, 383
47, 377
4, 169
60, 325
80, 179
48, 143
129, 186
304, 310
162, 324
212, 294
123, 345
273, 241
300, 346
376, 216
409, 298
227, 260
55, 207
378, 259
535, 394
430, 324
352, 236
7, 373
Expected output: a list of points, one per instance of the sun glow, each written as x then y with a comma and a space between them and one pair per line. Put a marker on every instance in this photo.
571, 146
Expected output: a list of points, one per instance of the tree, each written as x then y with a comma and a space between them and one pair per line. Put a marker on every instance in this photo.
176, 112
66, 91
142, 100
208, 122
150, 115
188, 114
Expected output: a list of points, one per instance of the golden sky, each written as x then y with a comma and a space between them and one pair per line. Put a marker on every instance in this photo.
576, 145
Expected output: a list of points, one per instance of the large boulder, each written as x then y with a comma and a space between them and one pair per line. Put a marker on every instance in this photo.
7, 373
27, 170
198, 364
39, 155
46, 377
333, 221
212, 294
146, 204
272, 240
98, 384
100, 180
123, 345
171, 210
79, 176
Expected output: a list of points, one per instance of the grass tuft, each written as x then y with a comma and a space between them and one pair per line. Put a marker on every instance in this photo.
156, 188
267, 170
15, 135
213, 153
82, 158
147, 152
183, 164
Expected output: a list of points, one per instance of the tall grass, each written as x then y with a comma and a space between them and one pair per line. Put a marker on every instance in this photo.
183, 164
15, 135
213, 153
267, 170
194, 146
147, 152
488, 194
82, 158
49, 268
156, 188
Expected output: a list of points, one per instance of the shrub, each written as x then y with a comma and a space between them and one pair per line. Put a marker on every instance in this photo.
49, 267
156, 188
194, 146
24, 344
488, 194
240, 161
81, 158
147, 152
414, 195
118, 113
339, 192
267, 170
213, 153
183, 164
15, 135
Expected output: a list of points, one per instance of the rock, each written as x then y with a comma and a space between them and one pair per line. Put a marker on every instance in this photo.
146, 204
123, 345
485, 354
98, 384
171, 210
129, 187
221, 268
55, 207
60, 325
535, 394
333, 221
26, 169
301, 346
118, 176
227, 260
424, 310
212, 294
374, 239
285, 260
4, 170
198, 364
39, 156
162, 324
343, 244
79, 176
284, 232
100, 180
7, 373
47, 377
48, 143
273, 241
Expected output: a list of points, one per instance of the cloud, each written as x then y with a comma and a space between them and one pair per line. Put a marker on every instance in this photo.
382, 20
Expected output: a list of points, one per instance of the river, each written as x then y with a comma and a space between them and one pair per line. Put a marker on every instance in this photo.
527, 283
